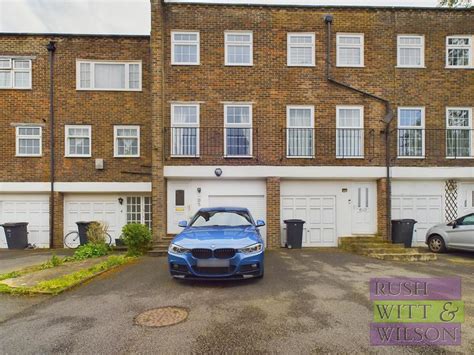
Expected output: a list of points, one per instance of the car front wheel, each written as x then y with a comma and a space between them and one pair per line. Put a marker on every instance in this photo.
436, 244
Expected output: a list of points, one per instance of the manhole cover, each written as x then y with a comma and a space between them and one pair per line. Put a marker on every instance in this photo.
162, 317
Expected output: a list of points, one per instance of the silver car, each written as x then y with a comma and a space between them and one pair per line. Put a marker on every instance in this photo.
457, 234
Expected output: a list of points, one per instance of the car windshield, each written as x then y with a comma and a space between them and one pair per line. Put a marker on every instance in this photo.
221, 218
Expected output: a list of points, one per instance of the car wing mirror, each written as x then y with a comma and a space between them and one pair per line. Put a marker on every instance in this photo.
182, 224
455, 224
260, 223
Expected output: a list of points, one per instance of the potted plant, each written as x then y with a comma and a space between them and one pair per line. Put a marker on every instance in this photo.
119, 242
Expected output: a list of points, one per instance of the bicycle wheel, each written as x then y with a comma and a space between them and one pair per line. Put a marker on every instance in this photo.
71, 240
108, 239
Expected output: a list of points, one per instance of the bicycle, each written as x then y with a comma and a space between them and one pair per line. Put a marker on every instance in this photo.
72, 240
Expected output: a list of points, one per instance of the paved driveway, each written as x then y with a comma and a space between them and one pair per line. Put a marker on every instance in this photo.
309, 301
11, 260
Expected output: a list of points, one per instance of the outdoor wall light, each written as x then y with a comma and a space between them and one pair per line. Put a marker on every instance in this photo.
199, 190
120, 200
218, 172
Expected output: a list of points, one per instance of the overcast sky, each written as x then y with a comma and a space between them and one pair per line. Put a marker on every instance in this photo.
120, 16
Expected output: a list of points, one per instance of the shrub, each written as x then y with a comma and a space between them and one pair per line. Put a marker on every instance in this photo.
91, 250
97, 232
137, 237
53, 262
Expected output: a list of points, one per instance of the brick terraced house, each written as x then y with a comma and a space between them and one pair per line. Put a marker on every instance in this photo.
342, 116
102, 138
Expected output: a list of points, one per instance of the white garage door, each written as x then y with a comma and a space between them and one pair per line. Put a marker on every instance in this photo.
106, 210
426, 210
319, 212
255, 203
34, 210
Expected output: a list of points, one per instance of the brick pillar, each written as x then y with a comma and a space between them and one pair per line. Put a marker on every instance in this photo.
158, 206
157, 122
273, 213
382, 208
58, 226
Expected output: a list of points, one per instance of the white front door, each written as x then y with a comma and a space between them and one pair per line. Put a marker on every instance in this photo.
180, 207
467, 200
319, 213
362, 208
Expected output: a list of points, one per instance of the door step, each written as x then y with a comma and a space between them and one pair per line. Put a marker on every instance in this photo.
160, 247
379, 248
414, 256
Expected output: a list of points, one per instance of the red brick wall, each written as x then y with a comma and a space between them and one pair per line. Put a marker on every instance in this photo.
157, 87
273, 212
382, 208
100, 109
271, 85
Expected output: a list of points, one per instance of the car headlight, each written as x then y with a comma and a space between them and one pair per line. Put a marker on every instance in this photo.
251, 249
177, 249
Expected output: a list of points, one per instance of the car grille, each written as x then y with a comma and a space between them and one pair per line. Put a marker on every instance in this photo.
202, 253
225, 253
214, 270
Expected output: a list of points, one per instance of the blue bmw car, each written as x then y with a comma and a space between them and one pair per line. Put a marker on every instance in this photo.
218, 243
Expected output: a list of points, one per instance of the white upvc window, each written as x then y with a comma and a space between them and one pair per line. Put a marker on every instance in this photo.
15, 73
410, 51
185, 130
139, 210
126, 141
238, 48
185, 48
349, 131
459, 52
459, 132
411, 132
301, 49
78, 141
108, 75
350, 49
29, 141
300, 131
238, 130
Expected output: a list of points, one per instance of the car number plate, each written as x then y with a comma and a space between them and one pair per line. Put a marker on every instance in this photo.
213, 263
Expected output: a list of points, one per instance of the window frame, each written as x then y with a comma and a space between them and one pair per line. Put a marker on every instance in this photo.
197, 43
361, 46
421, 47
66, 142
361, 127
296, 107
312, 46
12, 72
226, 44
470, 65
186, 125
142, 203
92, 63
422, 128
238, 125
468, 128
116, 128
18, 137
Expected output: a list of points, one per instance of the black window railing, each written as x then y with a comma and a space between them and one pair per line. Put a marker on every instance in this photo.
450, 143
322, 142
210, 141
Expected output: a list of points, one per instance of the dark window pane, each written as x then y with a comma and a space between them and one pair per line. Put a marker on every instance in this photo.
179, 198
